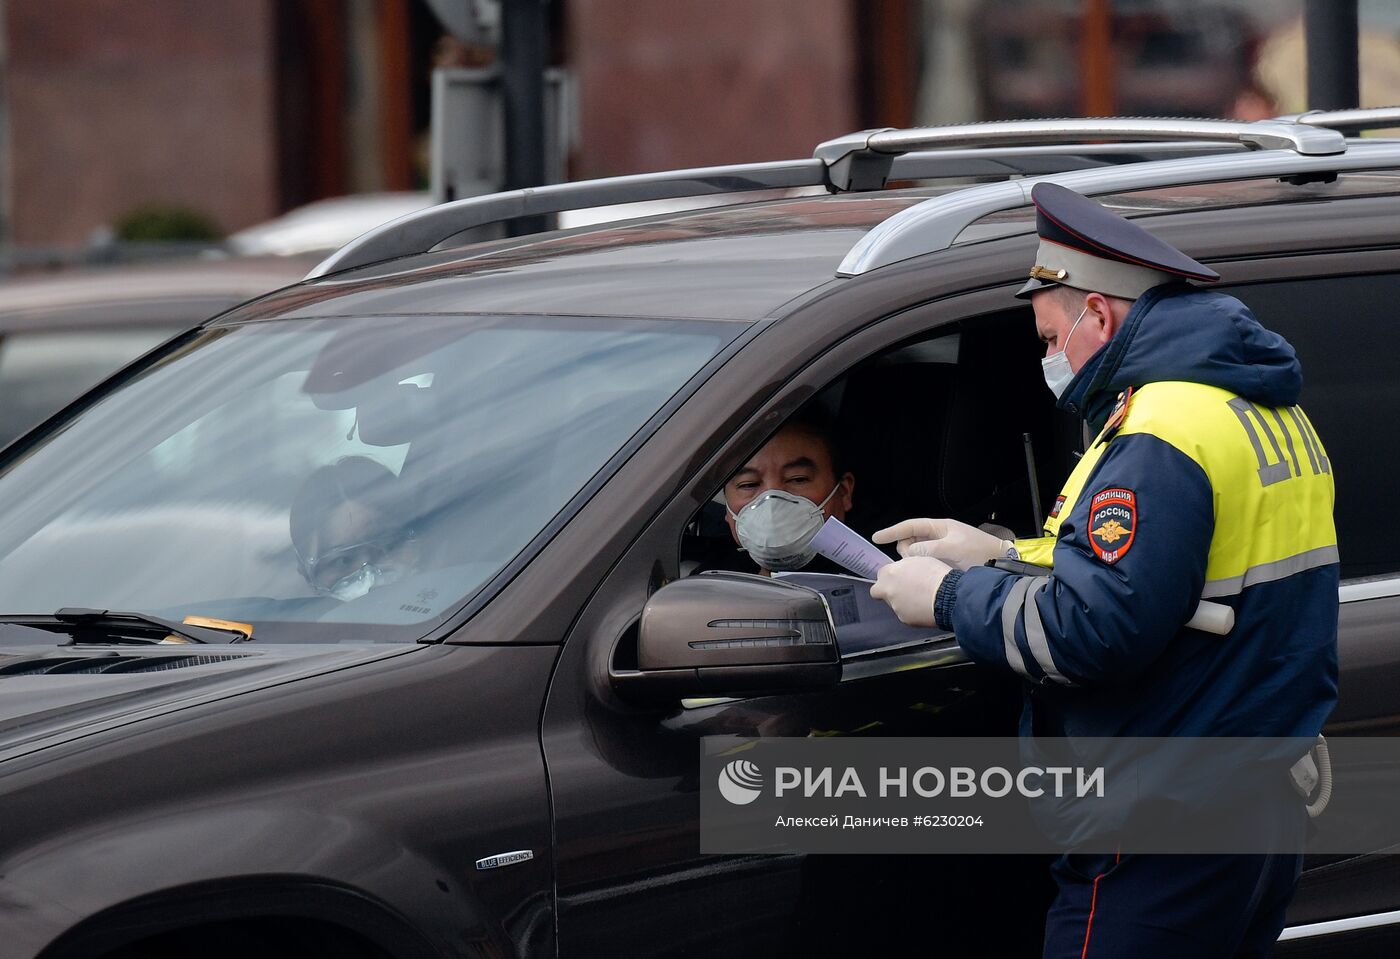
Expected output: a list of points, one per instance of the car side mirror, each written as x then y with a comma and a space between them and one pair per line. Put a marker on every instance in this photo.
731, 634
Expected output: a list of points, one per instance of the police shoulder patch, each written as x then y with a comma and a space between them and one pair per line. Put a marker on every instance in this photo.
1112, 523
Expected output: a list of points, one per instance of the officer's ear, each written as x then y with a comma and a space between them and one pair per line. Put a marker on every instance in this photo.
1105, 319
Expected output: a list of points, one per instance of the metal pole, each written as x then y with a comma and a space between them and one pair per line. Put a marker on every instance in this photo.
1334, 76
523, 50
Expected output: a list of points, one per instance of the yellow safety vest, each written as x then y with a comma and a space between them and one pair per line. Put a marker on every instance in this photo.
1270, 476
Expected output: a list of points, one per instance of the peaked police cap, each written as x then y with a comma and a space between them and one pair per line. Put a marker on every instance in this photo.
1095, 250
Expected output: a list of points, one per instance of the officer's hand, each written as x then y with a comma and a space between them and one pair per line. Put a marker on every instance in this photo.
957, 544
909, 586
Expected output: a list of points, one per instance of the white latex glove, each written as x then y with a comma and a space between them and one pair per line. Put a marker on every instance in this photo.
957, 544
910, 586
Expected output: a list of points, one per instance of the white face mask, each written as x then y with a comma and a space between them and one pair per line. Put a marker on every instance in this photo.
776, 528
1056, 367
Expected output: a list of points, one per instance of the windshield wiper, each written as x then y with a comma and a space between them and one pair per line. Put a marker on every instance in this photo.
113, 626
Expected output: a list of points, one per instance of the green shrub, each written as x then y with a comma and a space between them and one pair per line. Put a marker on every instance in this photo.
154, 223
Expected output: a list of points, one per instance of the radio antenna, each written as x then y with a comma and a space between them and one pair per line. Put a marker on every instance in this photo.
1035, 481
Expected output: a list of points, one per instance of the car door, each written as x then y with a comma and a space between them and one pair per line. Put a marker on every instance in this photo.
630, 879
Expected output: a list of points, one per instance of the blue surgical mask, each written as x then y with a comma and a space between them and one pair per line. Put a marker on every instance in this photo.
1056, 366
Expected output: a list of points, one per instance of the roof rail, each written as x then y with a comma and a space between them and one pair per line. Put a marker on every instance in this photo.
421, 231
858, 161
862, 160
1037, 160
1370, 118
934, 224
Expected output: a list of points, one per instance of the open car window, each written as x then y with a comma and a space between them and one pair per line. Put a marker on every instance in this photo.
939, 426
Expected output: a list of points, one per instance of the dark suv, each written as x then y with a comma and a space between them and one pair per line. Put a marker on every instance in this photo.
393, 531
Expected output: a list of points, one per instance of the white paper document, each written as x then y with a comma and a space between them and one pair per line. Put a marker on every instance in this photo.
844, 546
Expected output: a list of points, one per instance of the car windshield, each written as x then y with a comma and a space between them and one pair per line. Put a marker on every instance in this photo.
301, 475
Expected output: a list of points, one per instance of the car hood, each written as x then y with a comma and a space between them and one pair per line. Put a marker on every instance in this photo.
55, 694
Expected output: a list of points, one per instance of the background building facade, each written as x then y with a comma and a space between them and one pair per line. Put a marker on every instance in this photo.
240, 109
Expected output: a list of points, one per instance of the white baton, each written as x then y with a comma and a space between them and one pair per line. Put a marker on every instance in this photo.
1212, 618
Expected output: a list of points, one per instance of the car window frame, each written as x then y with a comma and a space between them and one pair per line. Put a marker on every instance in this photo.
658, 547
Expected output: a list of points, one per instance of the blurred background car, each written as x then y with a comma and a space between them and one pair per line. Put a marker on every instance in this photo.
325, 225
63, 332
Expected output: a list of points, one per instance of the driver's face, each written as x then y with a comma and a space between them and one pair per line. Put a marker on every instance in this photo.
794, 460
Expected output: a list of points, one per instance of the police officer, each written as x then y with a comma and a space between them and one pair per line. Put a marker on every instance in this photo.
1205, 480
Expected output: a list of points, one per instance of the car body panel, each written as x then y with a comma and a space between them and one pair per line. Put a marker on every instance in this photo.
43, 708
356, 778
